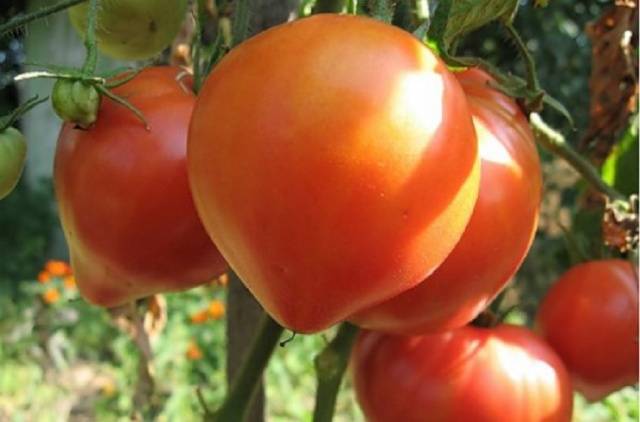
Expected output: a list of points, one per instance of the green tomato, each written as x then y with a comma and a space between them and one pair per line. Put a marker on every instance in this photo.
13, 152
75, 102
132, 29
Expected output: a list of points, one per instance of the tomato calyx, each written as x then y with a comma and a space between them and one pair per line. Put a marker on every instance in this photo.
77, 93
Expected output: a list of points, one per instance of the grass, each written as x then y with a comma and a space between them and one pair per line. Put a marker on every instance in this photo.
67, 360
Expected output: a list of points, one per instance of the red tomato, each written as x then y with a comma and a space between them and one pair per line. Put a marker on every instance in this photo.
333, 161
499, 233
590, 317
124, 197
502, 374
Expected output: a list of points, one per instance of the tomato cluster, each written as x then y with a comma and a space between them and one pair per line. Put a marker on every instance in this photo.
344, 173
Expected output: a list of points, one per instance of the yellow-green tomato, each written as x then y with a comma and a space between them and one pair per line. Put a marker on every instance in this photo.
13, 152
132, 29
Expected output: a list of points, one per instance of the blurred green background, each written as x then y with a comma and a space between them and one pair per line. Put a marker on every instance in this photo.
66, 360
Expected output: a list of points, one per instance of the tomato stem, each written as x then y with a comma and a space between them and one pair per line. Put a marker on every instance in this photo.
329, 6
23, 19
201, 19
382, 10
330, 365
90, 42
532, 74
238, 400
422, 10
555, 143
11, 118
241, 18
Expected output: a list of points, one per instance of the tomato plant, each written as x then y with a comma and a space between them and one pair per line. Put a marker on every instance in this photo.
499, 233
133, 29
13, 152
337, 176
590, 317
504, 373
124, 198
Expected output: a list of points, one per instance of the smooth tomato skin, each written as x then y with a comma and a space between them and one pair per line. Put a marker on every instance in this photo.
334, 163
504, 373
590, 317
124, 197
13, 154
498, 235
132, 29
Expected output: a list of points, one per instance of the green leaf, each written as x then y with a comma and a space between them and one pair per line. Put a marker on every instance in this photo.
468, 15
620, 169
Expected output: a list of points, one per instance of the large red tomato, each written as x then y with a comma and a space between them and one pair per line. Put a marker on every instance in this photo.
499, 233
590, 317
333, 161
124, 197
470, 374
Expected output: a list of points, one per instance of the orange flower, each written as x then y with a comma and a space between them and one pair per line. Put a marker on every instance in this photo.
199, 317
193, 351
69, 282
57, 268
44, 277
216, 309
51, 296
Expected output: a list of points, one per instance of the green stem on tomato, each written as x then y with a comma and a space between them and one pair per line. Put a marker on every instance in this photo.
330, 365
532, 74
438, 25
201, 18
555, 143
422, 10
329, 6
352, 7
236, 404
382, 9
11, 118
90, 42
23, 19
241, 19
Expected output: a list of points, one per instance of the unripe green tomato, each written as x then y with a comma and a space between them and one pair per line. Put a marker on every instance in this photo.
13, 152
132, 29
76, 102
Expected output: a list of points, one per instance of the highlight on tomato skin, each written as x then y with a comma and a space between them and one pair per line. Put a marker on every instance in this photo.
499, 234
506, 373
334, 163
590, 317
124, 198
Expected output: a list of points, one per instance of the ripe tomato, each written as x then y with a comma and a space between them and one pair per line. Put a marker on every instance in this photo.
333, 161
590, 317
132, 29
469, 374
124, 197
13, 153
499, 233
